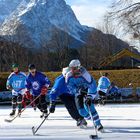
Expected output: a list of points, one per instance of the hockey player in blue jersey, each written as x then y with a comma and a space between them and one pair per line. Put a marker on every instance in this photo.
37, 83
60, 90
83, 86
103, 85
16, 83
103, 88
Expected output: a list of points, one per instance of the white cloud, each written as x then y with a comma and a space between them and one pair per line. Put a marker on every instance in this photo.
89, 12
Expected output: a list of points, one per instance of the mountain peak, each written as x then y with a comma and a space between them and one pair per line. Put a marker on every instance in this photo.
54, 3
37, 19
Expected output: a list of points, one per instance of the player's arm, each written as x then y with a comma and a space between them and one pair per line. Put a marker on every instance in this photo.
54, 93
9, 83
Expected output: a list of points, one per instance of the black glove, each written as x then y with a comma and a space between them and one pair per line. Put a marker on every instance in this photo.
88, 100
52, 107
83, 91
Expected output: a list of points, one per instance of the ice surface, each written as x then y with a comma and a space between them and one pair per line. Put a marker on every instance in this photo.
121, 122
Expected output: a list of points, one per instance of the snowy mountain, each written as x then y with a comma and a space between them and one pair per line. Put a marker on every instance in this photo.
7, 7
49, 30
34, 23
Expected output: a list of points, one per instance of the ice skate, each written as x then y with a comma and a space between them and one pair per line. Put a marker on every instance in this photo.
45, 115
100, 128
34, 108
42, 115
12, 113
82, 123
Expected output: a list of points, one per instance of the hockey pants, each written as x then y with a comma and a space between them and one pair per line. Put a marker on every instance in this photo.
70, 105
41, 103
84, 111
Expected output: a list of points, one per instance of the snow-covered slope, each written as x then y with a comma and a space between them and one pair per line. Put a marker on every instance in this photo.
7, 7
35, 21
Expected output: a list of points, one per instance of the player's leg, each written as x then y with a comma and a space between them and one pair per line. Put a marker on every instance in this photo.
69, 103
19, 103
79, 101
14, 104
95, 115
43, 105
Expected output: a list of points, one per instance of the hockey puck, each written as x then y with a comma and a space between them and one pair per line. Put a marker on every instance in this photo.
93, 136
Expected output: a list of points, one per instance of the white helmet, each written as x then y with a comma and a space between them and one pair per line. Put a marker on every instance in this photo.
65, 71
75, 63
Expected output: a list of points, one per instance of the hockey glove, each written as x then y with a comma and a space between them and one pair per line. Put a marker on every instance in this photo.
9, 87
52, 107
44, 90
88, 100
83, 91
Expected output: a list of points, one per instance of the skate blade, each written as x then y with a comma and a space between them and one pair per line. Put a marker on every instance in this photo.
11, 116
7, 120
83, 126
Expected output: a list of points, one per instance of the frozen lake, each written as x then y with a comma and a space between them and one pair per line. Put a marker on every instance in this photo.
121, 122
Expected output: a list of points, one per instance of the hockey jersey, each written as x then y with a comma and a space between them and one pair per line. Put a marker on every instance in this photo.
103, 84
17, 82
83, 81
58, 88
35, 83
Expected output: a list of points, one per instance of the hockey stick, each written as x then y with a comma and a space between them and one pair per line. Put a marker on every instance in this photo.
95, 136
33, 128
10, 120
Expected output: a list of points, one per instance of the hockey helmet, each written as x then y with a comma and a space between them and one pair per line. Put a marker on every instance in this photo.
31, 66
74, 63
15, 66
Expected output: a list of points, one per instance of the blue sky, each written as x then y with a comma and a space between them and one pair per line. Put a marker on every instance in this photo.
89, 12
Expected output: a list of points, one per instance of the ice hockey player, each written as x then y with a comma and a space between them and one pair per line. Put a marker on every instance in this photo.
16, 83
83, 86
60, 90
103, 87
37, 83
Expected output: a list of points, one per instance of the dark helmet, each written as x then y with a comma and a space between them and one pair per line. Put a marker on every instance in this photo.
31, 66
106, 74
15, 66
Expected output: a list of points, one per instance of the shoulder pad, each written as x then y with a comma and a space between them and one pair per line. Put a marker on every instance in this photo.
11, 75
87, 76
68, 75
